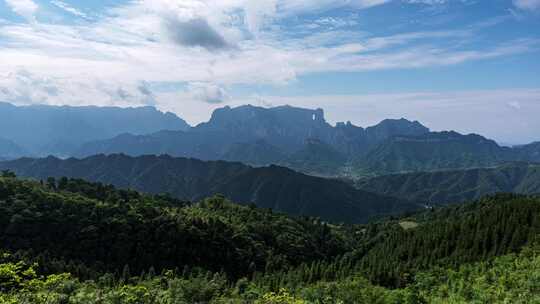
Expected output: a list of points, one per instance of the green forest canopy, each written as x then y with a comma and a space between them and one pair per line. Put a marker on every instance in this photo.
71, 241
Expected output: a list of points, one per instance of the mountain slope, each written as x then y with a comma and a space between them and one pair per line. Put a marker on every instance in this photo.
66, 235
392, 127
530, 152
110, 228
457, 185
433, 151
316, 157
9, 149
285, 128
270, 187
255, 153
59, 130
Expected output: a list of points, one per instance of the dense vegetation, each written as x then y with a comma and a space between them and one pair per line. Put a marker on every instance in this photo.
433, 151
507, 279
274, 187
108, 228
71, 241
453, 186
316, 157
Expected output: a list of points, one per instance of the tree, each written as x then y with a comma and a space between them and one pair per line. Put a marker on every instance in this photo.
8, 174
51, 183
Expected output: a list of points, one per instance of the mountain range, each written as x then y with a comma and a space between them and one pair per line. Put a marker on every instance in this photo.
300, 139
455, 186
281, 131
297, 138
278, 188
43, 130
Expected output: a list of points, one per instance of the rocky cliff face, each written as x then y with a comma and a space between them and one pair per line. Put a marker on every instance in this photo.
284, 127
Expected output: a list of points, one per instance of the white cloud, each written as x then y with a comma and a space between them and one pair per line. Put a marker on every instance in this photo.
515, 104
428, 2
208, 92
70, 9
105, 61
527, 4
24, 87
25, 8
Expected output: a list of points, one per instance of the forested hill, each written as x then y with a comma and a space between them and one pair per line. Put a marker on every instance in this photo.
434, 151
140, 249
108, 228
274, 187
455, 186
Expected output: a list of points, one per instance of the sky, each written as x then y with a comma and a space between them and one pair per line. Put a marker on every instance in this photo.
467, 65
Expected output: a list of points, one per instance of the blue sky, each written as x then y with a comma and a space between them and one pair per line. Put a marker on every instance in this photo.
468, 65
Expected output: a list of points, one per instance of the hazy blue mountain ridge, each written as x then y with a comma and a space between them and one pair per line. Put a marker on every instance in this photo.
261, 136
297, 138
59, 130
9, 149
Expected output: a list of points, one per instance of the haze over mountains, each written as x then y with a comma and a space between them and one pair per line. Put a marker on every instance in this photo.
254, 154
9, 149
261, 136
42, 130
301, 139
297, 138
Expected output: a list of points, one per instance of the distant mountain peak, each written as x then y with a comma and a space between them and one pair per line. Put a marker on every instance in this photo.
401, 122
251, 112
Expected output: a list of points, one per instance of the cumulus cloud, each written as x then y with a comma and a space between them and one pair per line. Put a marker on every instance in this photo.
195, 32
527, 4
25, 8
208, 92
25, 87
148, 96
